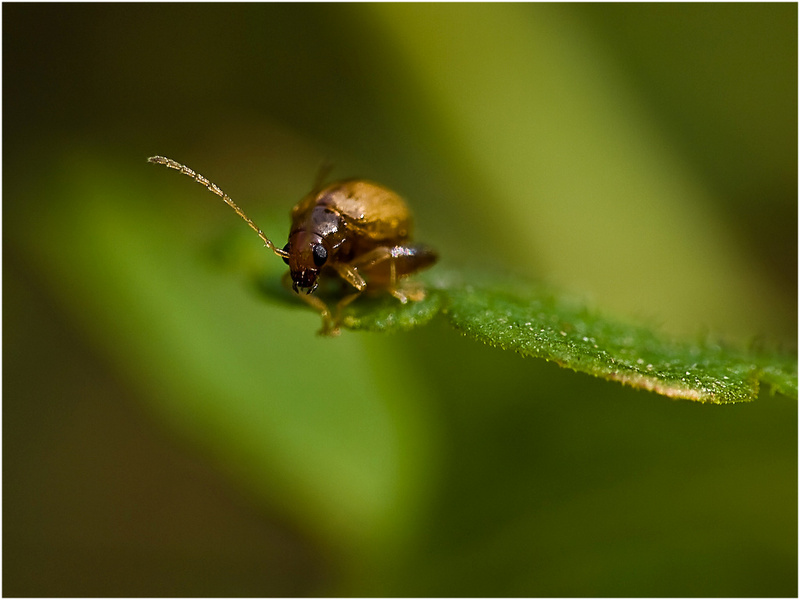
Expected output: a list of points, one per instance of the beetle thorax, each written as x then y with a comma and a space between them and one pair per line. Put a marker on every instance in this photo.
325, 222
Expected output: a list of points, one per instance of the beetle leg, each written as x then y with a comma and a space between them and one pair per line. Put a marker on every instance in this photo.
387, 266
408, 290
329, 326
340, 306
350, 274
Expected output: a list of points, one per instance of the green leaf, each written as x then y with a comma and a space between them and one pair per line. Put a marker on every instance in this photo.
542, 323
387, 314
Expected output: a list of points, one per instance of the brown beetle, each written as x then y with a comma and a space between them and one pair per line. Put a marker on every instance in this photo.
354, 228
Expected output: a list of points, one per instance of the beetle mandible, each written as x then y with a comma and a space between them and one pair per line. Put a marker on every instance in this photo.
354, 228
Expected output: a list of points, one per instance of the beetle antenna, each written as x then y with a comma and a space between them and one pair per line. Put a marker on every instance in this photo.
213, 187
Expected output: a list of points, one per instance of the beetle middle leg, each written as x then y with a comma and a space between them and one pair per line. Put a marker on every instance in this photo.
385, 268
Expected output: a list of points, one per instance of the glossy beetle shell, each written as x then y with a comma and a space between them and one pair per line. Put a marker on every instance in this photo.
368, 209
347, 219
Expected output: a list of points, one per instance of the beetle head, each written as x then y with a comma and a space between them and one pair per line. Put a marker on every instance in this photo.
307, 255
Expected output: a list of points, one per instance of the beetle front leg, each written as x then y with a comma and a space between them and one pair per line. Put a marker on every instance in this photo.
350, 274
329, 325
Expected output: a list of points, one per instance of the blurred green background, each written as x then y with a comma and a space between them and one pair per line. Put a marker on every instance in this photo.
170, 430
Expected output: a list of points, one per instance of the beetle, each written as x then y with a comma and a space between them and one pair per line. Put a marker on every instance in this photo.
356, 229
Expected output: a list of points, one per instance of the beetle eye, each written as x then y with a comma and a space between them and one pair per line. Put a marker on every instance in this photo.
320, 254
286, 249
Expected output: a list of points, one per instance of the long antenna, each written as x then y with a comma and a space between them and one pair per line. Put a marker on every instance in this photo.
213, 187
